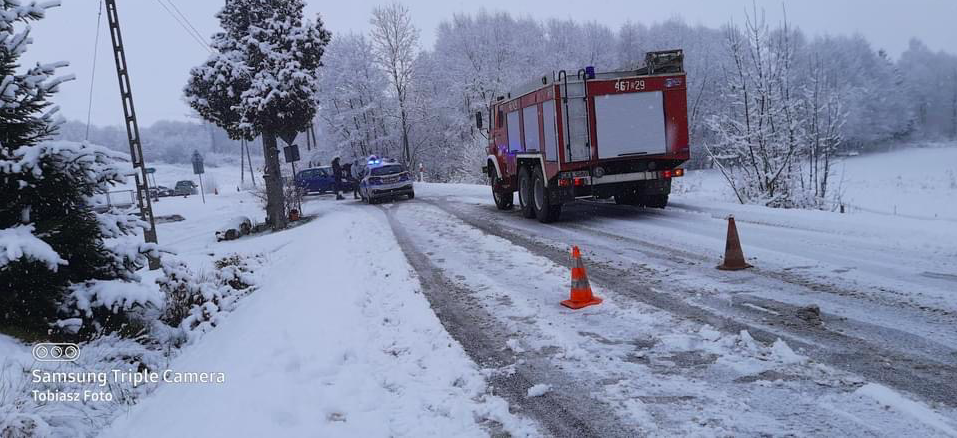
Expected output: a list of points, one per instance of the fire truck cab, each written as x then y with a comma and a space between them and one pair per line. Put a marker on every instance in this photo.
618, 135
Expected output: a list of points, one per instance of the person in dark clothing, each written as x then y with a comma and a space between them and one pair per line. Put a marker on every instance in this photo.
337, 175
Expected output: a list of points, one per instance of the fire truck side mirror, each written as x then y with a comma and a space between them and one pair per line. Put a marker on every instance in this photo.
478, 119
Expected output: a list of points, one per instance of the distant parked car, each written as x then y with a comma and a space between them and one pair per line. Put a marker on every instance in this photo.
185, 188
161, 191
385, 180
320, 180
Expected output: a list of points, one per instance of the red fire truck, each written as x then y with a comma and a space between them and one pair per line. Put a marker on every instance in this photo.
618, 135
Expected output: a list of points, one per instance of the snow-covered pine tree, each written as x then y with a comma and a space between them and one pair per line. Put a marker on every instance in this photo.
59, 260
262, 79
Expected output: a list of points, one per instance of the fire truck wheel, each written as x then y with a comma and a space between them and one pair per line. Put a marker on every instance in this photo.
544, 209
503, 200
525, 193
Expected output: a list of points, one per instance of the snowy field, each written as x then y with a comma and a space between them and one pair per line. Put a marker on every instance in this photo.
918, 182
440, 317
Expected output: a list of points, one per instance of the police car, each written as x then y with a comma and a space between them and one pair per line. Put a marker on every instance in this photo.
385, 179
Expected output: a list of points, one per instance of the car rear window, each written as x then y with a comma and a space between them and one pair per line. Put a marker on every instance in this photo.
387, 170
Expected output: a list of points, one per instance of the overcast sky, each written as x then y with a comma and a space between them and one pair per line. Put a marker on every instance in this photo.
160, 52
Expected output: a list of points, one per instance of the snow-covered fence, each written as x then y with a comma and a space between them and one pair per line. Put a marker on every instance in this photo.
851, 208
121, 199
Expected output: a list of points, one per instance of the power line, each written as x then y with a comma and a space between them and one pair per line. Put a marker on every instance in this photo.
197, 38
188, 23
96, 46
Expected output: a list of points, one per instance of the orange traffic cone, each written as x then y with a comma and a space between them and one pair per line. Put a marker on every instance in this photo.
581, 295
733, 255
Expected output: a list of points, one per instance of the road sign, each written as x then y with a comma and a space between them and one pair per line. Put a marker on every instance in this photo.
292, 153
198, 167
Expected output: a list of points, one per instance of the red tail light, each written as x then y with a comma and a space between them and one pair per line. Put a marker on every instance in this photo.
564, 182
579, 181
672, 173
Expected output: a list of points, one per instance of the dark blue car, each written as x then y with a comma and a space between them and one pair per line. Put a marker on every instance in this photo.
320, 180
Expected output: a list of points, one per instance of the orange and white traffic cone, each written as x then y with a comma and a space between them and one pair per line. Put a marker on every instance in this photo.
581, 295
733, 255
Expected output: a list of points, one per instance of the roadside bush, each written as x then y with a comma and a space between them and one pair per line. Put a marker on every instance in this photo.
197, 302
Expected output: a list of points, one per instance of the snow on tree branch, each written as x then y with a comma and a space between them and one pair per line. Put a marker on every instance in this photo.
19, 242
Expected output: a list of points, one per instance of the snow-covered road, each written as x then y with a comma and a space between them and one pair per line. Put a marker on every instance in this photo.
665, 354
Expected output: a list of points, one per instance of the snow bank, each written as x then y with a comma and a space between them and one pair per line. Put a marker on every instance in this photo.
335, 343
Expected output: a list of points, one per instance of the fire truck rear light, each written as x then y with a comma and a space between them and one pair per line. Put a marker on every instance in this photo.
564, 182
666, 174
579, 181
678, 172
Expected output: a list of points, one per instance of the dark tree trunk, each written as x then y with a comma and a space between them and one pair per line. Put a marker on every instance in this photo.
275, 204
406, 152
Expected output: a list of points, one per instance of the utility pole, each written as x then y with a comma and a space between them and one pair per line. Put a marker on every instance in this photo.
953, 108
249, 161
132, 129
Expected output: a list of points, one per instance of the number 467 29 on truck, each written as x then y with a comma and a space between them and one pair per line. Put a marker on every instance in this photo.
619, 134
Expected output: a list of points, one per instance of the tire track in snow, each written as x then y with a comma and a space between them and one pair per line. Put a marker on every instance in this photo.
931, 380
891, 336
929, 342
482, 337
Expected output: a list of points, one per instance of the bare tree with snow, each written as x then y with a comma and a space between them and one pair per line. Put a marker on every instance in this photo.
824, 117
352, 98
758, 136
395, 42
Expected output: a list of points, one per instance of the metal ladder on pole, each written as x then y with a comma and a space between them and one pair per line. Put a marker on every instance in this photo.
132, 128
